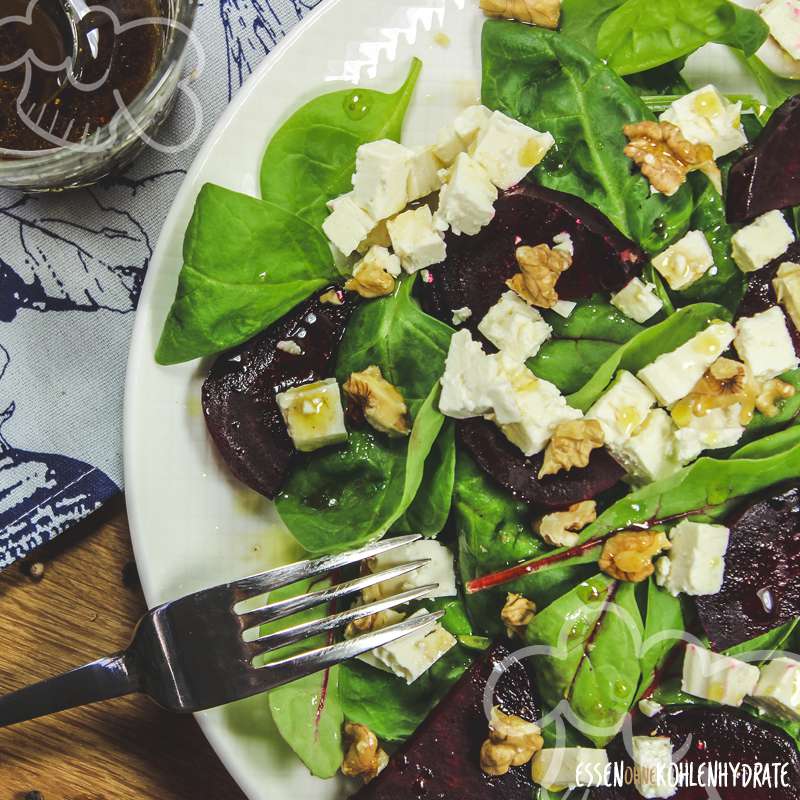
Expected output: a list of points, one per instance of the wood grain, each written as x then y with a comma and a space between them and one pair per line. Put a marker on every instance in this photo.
128, 749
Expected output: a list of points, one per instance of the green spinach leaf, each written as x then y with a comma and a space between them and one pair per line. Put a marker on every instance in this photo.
312, 157
771, 445
581, 19
776, 90
246, 263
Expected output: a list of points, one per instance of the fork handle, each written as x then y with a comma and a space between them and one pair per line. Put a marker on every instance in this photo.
103, 679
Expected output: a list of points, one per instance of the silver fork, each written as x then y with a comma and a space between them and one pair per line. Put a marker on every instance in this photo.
192, 654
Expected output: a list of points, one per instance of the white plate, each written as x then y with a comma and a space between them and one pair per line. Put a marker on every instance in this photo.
194, 526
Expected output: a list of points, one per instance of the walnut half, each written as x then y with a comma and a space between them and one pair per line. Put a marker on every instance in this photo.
517, 613
364, 757
770, 393
512, 742
383, 406
540, 268
665, 157
628, 556
560, 529
571, 445
544, 13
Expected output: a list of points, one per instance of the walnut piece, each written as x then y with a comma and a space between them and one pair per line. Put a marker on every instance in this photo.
370, 280
364, 757
382, 405
540, 268
560, 529
374, 622
517, 613
512, 742
665, 157
628, 556
544, 13
332, 297
770, 393
571, 445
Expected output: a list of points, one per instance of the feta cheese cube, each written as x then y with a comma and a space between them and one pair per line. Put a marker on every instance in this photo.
470, 122
764, 344
313, 414
653, 757
414, 654
718, 678
542, 407
379, 257
717, 428
778, 689
686, 261
622, 409
415, 240
707, 117
449, 145
787, 288
649, 454
509, 150
423, 175
637, 300
514, 327
461, 315
439, 569
380, 183
563, 242
650, 708
696, 561
557, 768
466, 202
564, 308
762, 241
347, 225
673, 375
783, 19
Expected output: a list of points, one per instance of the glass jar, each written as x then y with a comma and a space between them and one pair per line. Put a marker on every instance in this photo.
112, 147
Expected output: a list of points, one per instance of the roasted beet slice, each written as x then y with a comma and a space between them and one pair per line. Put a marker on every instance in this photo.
239, 393
512, 470
715, 736
761, 589
441, 760
477, 267
767, 176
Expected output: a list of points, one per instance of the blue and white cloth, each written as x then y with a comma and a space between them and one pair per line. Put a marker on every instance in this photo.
71, 267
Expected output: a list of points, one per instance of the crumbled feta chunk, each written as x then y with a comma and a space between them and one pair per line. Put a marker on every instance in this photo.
696, 561
414, 654
716, 677
379, 257
787, 289
514, 327
449, 145
380, 182
650, 708
762, 241
622, 409
673, 375
686, 261
652, 755
717, 428
563, 242
469, 123
509, 150
783, 19
637, 300
423, 176
313, 414
542, 407
288, 346
415, 240
347, 225
564, 308
764, 344
707, 117
559, 767
778, 689
466, 202
461, 315
649, 454
439, 569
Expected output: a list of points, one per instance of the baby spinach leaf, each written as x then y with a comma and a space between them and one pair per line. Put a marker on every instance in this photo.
552, 83
776, 90
640, 35
312, 157
246, 263
581, 19
647, 346
590, 640
771, 445
782, 638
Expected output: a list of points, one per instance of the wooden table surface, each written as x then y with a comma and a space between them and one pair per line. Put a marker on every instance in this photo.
83, 607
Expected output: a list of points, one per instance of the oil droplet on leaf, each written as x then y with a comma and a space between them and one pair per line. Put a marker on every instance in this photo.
356, 106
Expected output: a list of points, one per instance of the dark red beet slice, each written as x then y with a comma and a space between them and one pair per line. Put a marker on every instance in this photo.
760, 294
441, 760
512, 470
767, 176
477, 267
718, 736
239, 394
761, 589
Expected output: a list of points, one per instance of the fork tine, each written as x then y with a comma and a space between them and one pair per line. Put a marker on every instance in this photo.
293, 605
289, 669
291, 573
306, 630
